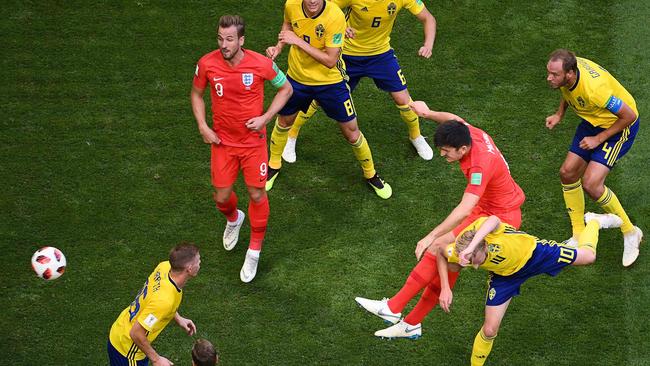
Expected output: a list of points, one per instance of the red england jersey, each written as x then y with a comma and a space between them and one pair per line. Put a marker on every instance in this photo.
237, 95
488, 175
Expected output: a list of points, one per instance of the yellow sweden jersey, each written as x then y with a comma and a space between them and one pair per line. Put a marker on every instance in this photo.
508, 249
154, 307
326, 29
373, 21
592, 92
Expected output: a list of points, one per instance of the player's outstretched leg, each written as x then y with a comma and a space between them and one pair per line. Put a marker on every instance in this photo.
289, 153
379, 308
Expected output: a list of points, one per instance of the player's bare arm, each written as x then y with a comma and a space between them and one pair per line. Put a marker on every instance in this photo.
328, 57
429, 23
274, 51
490, 225
198, 108
457, 215
625, 118
422, 110
139, 336
280, 99
554, 119
446, 295
186, 324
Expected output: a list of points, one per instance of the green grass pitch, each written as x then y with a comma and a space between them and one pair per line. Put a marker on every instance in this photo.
100, 156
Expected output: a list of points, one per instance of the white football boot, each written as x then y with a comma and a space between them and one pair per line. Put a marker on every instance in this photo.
289, 152
231, 232
631, 243
249, 269
401, 330
422, 147
379, 308
606, 221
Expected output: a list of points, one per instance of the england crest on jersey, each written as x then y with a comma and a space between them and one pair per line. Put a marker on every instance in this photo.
247, 79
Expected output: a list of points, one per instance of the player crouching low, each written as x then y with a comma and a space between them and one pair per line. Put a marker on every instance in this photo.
512, 257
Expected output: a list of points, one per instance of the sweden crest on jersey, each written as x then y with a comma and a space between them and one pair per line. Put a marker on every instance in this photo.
320, 30
392, 8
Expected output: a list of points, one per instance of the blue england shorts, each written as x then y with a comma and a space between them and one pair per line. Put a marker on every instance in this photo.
383, 69
548, 258
115, 358
610, 151
334, 99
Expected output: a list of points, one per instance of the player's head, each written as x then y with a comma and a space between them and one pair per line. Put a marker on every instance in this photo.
562, 68
478, 255
313, 7
185, 258
204, 354
453, 140
230, 35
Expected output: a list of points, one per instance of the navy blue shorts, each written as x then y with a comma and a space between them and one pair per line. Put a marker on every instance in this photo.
548, 257
334, 99
610, 151
115, 358
383, 69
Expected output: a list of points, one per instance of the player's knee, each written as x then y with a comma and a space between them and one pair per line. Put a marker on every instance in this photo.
257, 195
221, 198
568, 175
585, 257
351, 132
490, 330
286, 121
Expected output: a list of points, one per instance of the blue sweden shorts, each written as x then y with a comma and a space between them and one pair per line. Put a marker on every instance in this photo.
610, 151
115, 358
383, 69
334, 99
548, 257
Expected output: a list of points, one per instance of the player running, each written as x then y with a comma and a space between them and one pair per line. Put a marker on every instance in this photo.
238, 135
610, 122
140, 323
367, 52
490, 190
315, 30
511, 257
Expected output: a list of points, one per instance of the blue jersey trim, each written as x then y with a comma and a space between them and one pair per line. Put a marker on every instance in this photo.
577, 81
614, 104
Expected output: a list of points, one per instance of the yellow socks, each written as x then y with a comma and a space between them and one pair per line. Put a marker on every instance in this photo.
362, 152
302, 118
411, 119
481, 349
589, 236
278, 141
574, 200
610, 204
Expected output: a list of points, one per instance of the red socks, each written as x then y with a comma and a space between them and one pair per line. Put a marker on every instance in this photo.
425, 274
429, 299
419, 277
258, 215
228, 208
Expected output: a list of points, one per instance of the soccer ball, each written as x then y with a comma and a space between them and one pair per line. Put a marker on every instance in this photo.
48, 263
